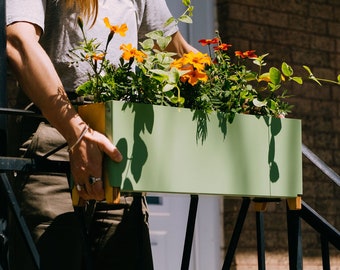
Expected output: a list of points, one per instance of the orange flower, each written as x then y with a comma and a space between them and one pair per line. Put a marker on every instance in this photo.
131, 52
198, 60
195, 64
222, 47
205, 42
193, 76
247, 54
178, 63
97, 57
121, 30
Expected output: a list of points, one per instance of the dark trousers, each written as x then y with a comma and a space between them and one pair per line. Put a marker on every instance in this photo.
98, 236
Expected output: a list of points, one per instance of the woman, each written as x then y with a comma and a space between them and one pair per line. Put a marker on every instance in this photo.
39, 35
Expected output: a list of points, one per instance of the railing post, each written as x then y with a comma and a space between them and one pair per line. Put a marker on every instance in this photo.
325, 252
189, 236
294, 239
260, 241
236, 234
8, 195
3, 75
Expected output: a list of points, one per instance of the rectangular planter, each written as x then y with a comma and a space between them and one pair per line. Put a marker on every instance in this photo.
176, 150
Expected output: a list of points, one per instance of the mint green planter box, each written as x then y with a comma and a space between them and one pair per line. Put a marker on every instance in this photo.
166, 150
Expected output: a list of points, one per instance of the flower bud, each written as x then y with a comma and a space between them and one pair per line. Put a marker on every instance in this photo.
80, 22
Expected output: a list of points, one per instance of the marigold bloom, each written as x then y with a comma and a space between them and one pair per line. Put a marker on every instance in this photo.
205, 42
131, 52
97, 57
121, 30
198, 60
178, 63
247, 54
193, 76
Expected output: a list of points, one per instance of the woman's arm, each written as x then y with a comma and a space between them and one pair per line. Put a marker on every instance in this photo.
41, 83
179, 45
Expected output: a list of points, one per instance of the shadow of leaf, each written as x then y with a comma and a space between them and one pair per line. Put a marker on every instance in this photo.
127, 184
274, 172
201, 129
120, 167
271, 151
143, 122
222, 123
275, 126
139, 157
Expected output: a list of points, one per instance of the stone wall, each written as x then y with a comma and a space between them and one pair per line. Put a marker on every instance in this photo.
300, 32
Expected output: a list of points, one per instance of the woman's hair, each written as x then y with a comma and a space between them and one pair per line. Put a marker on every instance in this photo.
88, 8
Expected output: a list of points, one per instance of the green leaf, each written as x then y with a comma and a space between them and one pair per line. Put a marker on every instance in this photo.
155, 34
163, 42
339, 78
264, 76
311, 75
275, 75
257, 62
148, 44
308, 70
315, 80
287, 70
190, 10
185, 19
168, 87
177, 100
87, 88
169, 21
272, 104
233, 78
297, 80
159, 75
259, 103
274, 87
250, 76
186, 2
174, 76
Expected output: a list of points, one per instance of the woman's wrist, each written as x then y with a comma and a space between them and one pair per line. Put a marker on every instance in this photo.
80, 138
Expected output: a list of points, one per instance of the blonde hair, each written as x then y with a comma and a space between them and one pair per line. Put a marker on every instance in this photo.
88, 8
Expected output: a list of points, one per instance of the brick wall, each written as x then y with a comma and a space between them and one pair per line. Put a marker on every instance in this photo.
300, 32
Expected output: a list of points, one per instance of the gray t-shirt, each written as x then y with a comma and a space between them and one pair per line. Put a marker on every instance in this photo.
61, 32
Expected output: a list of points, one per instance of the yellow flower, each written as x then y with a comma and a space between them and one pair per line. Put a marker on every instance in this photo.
131, 52
198, 60
99, 56
195, 64
193, 76
121, 30
95, 56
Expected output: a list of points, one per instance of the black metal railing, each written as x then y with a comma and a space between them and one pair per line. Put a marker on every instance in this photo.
328, 233
321, 165
3, 68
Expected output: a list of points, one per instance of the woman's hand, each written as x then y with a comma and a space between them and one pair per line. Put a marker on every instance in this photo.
86, 161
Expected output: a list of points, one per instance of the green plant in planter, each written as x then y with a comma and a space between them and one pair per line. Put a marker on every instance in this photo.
220, 81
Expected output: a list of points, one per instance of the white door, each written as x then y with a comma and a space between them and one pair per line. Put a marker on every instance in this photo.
168, 221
